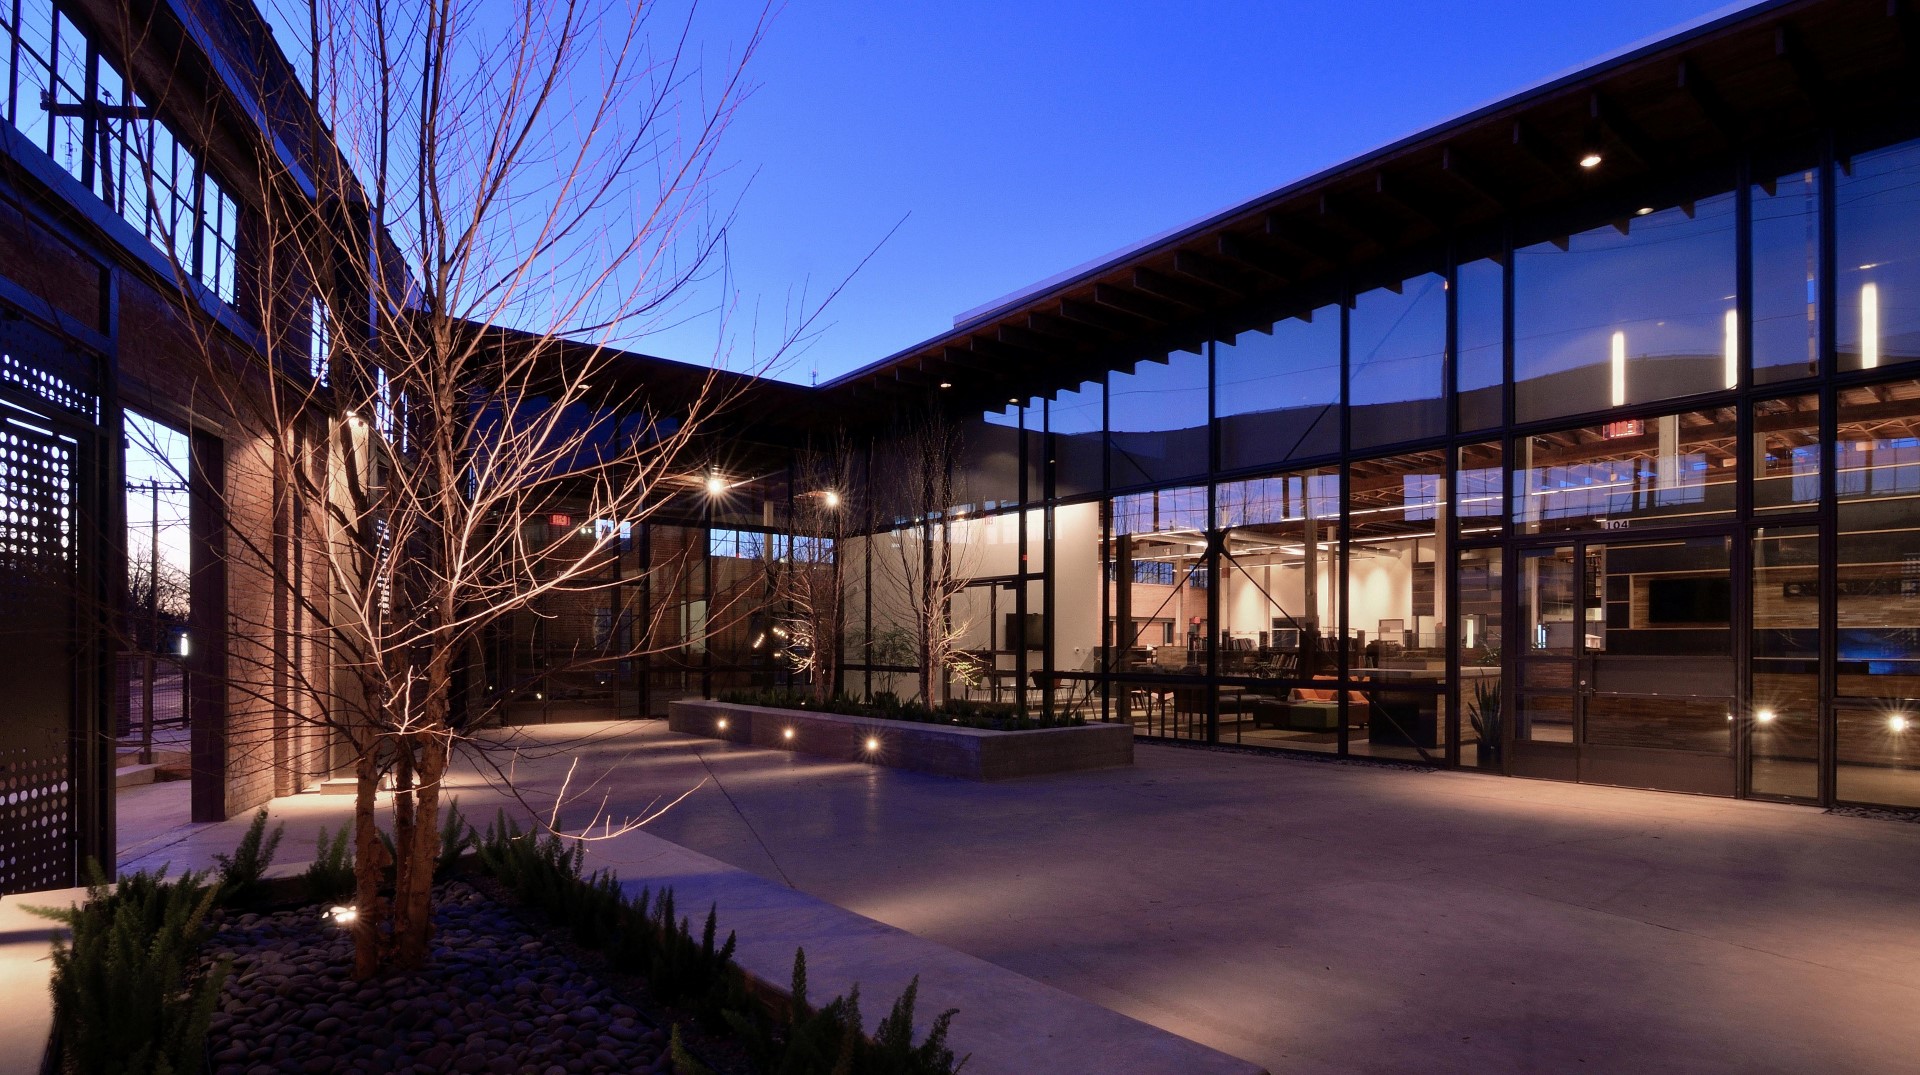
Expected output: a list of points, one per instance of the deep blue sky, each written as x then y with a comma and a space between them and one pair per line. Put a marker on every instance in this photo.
1021, 138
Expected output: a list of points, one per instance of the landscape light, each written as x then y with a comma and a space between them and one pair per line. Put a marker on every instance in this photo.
716, 485
1591, 160
344, 916
1897, 722
832, 499
721, 724
787, 734
872, 744
1764, 716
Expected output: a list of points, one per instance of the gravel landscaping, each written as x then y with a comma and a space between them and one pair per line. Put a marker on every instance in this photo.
496, 998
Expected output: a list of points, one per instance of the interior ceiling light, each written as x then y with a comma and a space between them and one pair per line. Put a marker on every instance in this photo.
946, 384
1643, 210
1591, 160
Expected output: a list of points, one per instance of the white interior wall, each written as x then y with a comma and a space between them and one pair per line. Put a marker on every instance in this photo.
1076, 586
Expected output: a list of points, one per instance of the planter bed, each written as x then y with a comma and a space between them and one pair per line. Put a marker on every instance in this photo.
969, 753
498, 997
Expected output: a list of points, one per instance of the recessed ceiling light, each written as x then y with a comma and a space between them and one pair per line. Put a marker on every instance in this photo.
1591, 160
1643, 210
946, 384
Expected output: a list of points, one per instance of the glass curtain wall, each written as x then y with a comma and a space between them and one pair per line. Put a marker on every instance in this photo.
1397, 512
1279, 551
1158, 591
1278, 392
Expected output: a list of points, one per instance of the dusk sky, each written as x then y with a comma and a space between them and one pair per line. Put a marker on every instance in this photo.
1019, 140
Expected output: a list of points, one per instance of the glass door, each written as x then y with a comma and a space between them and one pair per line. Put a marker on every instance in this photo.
1625, 668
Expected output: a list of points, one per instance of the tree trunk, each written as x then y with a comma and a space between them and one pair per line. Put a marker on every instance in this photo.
369, 863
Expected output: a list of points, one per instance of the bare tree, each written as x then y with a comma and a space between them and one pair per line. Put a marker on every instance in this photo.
811, 584
545, 166
920, 561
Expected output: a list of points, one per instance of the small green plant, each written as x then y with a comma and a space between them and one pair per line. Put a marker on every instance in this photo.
456, 839
241, 871
125, 997
330, 875
1483, 711
966, 713
830, 1039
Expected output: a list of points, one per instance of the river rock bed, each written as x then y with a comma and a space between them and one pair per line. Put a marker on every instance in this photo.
496, 998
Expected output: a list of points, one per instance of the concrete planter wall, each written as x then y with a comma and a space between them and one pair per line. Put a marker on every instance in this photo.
949, 750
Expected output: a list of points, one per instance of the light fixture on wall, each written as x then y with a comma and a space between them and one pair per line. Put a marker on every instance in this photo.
1619, 369
1730, 348
1869, 326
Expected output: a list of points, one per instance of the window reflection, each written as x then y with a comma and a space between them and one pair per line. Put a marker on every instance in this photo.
1786, 274
1074, 419
1668, 470
1157, 420
1279, 598
1480, 305
1396, 364
1784, 718
1279, 393
1638, 311
1877, 269
1786, 448
1397, 512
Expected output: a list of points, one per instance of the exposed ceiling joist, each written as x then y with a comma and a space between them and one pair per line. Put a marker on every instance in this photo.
1207, 271
1623, 131
1713, 108
1249, 254
1812, 84
1100, 317
1171, 289
1115, 297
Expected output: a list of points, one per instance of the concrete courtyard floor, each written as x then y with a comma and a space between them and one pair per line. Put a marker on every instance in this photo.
1305, 916
1316, 917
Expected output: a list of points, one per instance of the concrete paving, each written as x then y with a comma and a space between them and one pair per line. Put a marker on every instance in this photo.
1307, 916
1009, 1024
1316, 917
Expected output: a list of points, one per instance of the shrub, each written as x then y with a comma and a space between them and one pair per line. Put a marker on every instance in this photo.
123, 998
645, 935
967, 713
330, 875
240, 872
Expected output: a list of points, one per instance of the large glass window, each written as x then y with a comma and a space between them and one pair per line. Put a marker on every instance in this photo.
1480, 306
1878, 590
989, 464
1280, 606
1157, 585
1669, 470
1877, 263
1157, 418
1074, 419
1396, 363
1785, 684
1397, 518
132, 162
1786, 449
1278, 395
1639, 311
1786, 277
1477, 579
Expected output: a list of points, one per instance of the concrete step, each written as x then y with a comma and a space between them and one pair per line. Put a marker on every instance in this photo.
128, 776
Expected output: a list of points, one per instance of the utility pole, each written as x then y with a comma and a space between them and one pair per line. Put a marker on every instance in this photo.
150, 654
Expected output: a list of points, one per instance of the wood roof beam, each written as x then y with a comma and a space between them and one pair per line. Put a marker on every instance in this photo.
1712, 107
1462, 171
1171, 289
1807, 77
1100, 317
1623, 131
1059, 328
1205, 270
1129, 301
1304, 237
1250, 254
1542, 155
1036, 342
